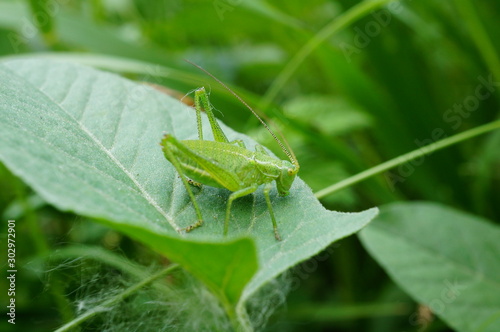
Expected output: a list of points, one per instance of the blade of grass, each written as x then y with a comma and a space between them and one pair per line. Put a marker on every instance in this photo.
350, 16
408, 157
479, 35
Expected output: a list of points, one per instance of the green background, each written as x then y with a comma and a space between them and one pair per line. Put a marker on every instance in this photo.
350, 84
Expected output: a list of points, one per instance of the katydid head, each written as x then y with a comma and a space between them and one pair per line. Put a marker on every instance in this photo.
288, 171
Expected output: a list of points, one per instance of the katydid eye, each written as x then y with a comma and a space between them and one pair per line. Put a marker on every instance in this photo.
290, 171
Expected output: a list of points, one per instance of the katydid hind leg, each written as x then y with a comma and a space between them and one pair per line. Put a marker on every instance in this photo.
232, 197
197, 106
201, 99
267, 189
165, 142
227, 178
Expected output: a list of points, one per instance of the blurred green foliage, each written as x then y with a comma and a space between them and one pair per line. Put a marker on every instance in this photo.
400, 77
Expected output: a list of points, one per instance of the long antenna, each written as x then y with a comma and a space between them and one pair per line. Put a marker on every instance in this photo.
289, 151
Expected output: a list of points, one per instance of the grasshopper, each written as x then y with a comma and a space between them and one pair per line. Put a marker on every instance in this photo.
228, 164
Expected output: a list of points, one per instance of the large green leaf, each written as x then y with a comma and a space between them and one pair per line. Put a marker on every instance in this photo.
443, 258
88, 142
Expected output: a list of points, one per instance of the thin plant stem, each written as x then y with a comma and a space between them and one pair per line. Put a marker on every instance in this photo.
423, 151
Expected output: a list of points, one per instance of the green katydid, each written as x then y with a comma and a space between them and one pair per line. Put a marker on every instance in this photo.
225, 164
